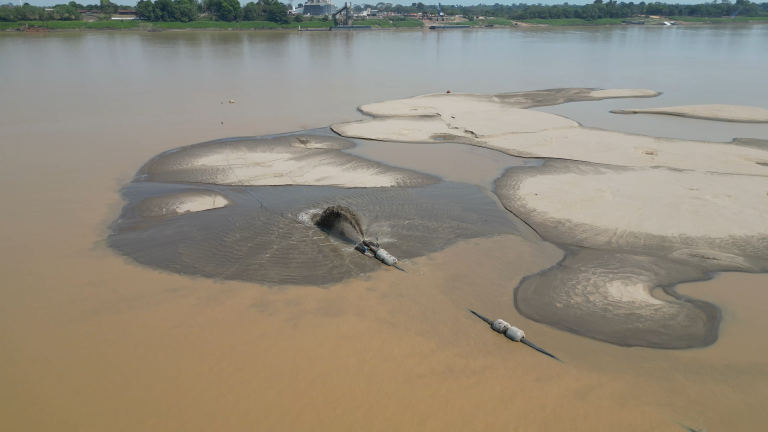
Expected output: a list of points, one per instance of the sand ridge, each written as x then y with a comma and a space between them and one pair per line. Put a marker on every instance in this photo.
501, 123
285, 160
174, 204
730, 113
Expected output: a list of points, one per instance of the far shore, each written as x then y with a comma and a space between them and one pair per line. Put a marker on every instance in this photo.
58, 26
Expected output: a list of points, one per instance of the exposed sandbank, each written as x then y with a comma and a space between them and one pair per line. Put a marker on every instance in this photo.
607, 296
667, 210
644, 228
489, 121
179, 203
446, 104
729, 113
603, 206
285, 160
654, 211
408, 212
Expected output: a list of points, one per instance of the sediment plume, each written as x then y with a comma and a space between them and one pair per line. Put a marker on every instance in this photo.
280, 243
342, 222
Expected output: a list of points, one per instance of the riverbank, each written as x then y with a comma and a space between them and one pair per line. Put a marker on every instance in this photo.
376, 24
194, 25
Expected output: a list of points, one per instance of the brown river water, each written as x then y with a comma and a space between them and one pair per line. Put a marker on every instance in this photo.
91, 341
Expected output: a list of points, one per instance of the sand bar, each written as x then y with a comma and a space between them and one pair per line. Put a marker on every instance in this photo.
730, 113
608, 296
653, 211
286, 160
493, 123
179, 203
644, 228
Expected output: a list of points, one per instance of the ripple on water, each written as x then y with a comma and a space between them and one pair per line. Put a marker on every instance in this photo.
281, 245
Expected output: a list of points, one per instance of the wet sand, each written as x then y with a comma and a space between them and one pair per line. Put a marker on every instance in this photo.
275, 239
90, 341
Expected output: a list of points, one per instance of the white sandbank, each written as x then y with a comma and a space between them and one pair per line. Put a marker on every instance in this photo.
486, 121
175, 204
730, 113
652, 201
287, 160
623, 93
622, 149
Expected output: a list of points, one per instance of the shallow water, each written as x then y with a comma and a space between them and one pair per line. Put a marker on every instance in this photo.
274, 240
90, 341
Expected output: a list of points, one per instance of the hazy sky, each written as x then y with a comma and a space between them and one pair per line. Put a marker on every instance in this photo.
462, 2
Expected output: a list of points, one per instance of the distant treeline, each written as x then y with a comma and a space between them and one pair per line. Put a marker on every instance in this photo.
599, 9
159, 10
61, 12
276, 12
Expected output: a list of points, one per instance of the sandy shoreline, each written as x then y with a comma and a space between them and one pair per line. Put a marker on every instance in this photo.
730, 113
517, 24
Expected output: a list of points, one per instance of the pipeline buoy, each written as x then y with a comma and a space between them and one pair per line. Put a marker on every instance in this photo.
511, 332
372, 249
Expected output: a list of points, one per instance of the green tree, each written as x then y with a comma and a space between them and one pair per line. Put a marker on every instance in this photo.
108, 7
252, 12
589, 12
186, 10
64, 13
276, 11
230, 10
145, 9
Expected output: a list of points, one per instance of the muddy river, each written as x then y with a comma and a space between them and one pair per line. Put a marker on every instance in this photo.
94, 339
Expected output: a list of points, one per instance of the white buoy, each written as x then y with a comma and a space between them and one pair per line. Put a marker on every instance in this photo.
385, 257
511, 332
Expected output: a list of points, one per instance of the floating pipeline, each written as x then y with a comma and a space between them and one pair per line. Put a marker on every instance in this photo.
511, 332
373, 250
343, 223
